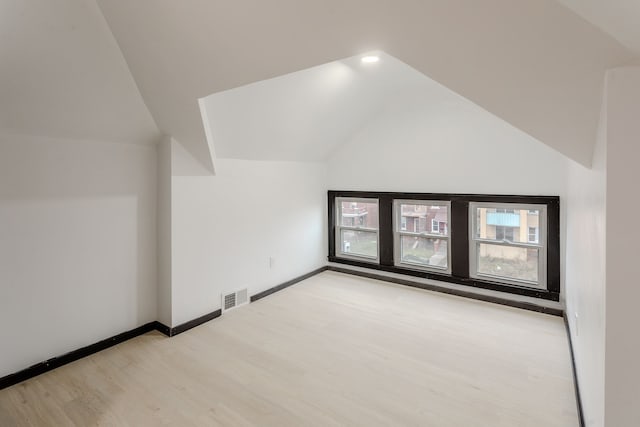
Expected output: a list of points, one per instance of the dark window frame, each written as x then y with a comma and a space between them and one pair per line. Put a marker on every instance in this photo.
459, 238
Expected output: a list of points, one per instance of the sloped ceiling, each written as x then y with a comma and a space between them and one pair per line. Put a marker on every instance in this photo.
306, 115
620, 18
62, 74
311, 115
533, 63
536, 64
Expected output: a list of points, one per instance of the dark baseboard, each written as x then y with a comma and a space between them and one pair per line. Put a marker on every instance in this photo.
56, 362
448, 278
288, 283
429, 287
48, 365
171, 332
72, 356
162, 328
575, 372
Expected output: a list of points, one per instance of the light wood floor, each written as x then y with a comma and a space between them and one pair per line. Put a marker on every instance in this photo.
332, 350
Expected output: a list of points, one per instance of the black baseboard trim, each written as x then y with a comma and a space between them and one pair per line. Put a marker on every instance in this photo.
429, 287
72, 356
288, 283
575, 372
162, 328
171, 332
447, 278
53, 363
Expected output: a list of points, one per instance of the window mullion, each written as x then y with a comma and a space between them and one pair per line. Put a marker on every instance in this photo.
460, 238
386, 237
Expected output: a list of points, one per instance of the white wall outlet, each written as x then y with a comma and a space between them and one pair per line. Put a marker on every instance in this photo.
576, 323
272, 262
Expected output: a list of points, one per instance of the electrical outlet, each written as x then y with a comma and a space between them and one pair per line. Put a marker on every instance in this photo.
272, 262
577, 323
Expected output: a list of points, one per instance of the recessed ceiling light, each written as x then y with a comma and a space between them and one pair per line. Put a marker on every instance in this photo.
370, 59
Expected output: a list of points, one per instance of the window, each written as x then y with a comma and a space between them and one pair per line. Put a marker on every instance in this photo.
422, 248
505, 244
357, 228
498, 242
504, 233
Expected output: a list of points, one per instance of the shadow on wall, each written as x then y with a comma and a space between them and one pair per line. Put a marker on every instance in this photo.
77, 244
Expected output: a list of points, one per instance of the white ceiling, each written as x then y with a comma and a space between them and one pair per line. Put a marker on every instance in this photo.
307, 114
312, 115
63, 75
535, 64
620, 18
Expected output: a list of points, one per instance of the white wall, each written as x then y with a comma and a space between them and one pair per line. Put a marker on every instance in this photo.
455, 147
602, 236
77, 245
164, 231
586, 276
225, 228
622, 371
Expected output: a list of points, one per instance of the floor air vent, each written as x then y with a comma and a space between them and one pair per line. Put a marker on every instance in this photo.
234, 299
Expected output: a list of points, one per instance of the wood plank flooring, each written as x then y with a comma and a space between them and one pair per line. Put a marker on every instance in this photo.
331, 350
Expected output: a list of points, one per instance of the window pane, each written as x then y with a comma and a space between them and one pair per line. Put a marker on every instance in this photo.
359, 214
506, 225
508, 261
359, 243
416, 218
425, 251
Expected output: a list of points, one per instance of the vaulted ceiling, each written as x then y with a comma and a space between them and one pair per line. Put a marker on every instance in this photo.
114, 72
535, 64
341, 111
306, 115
